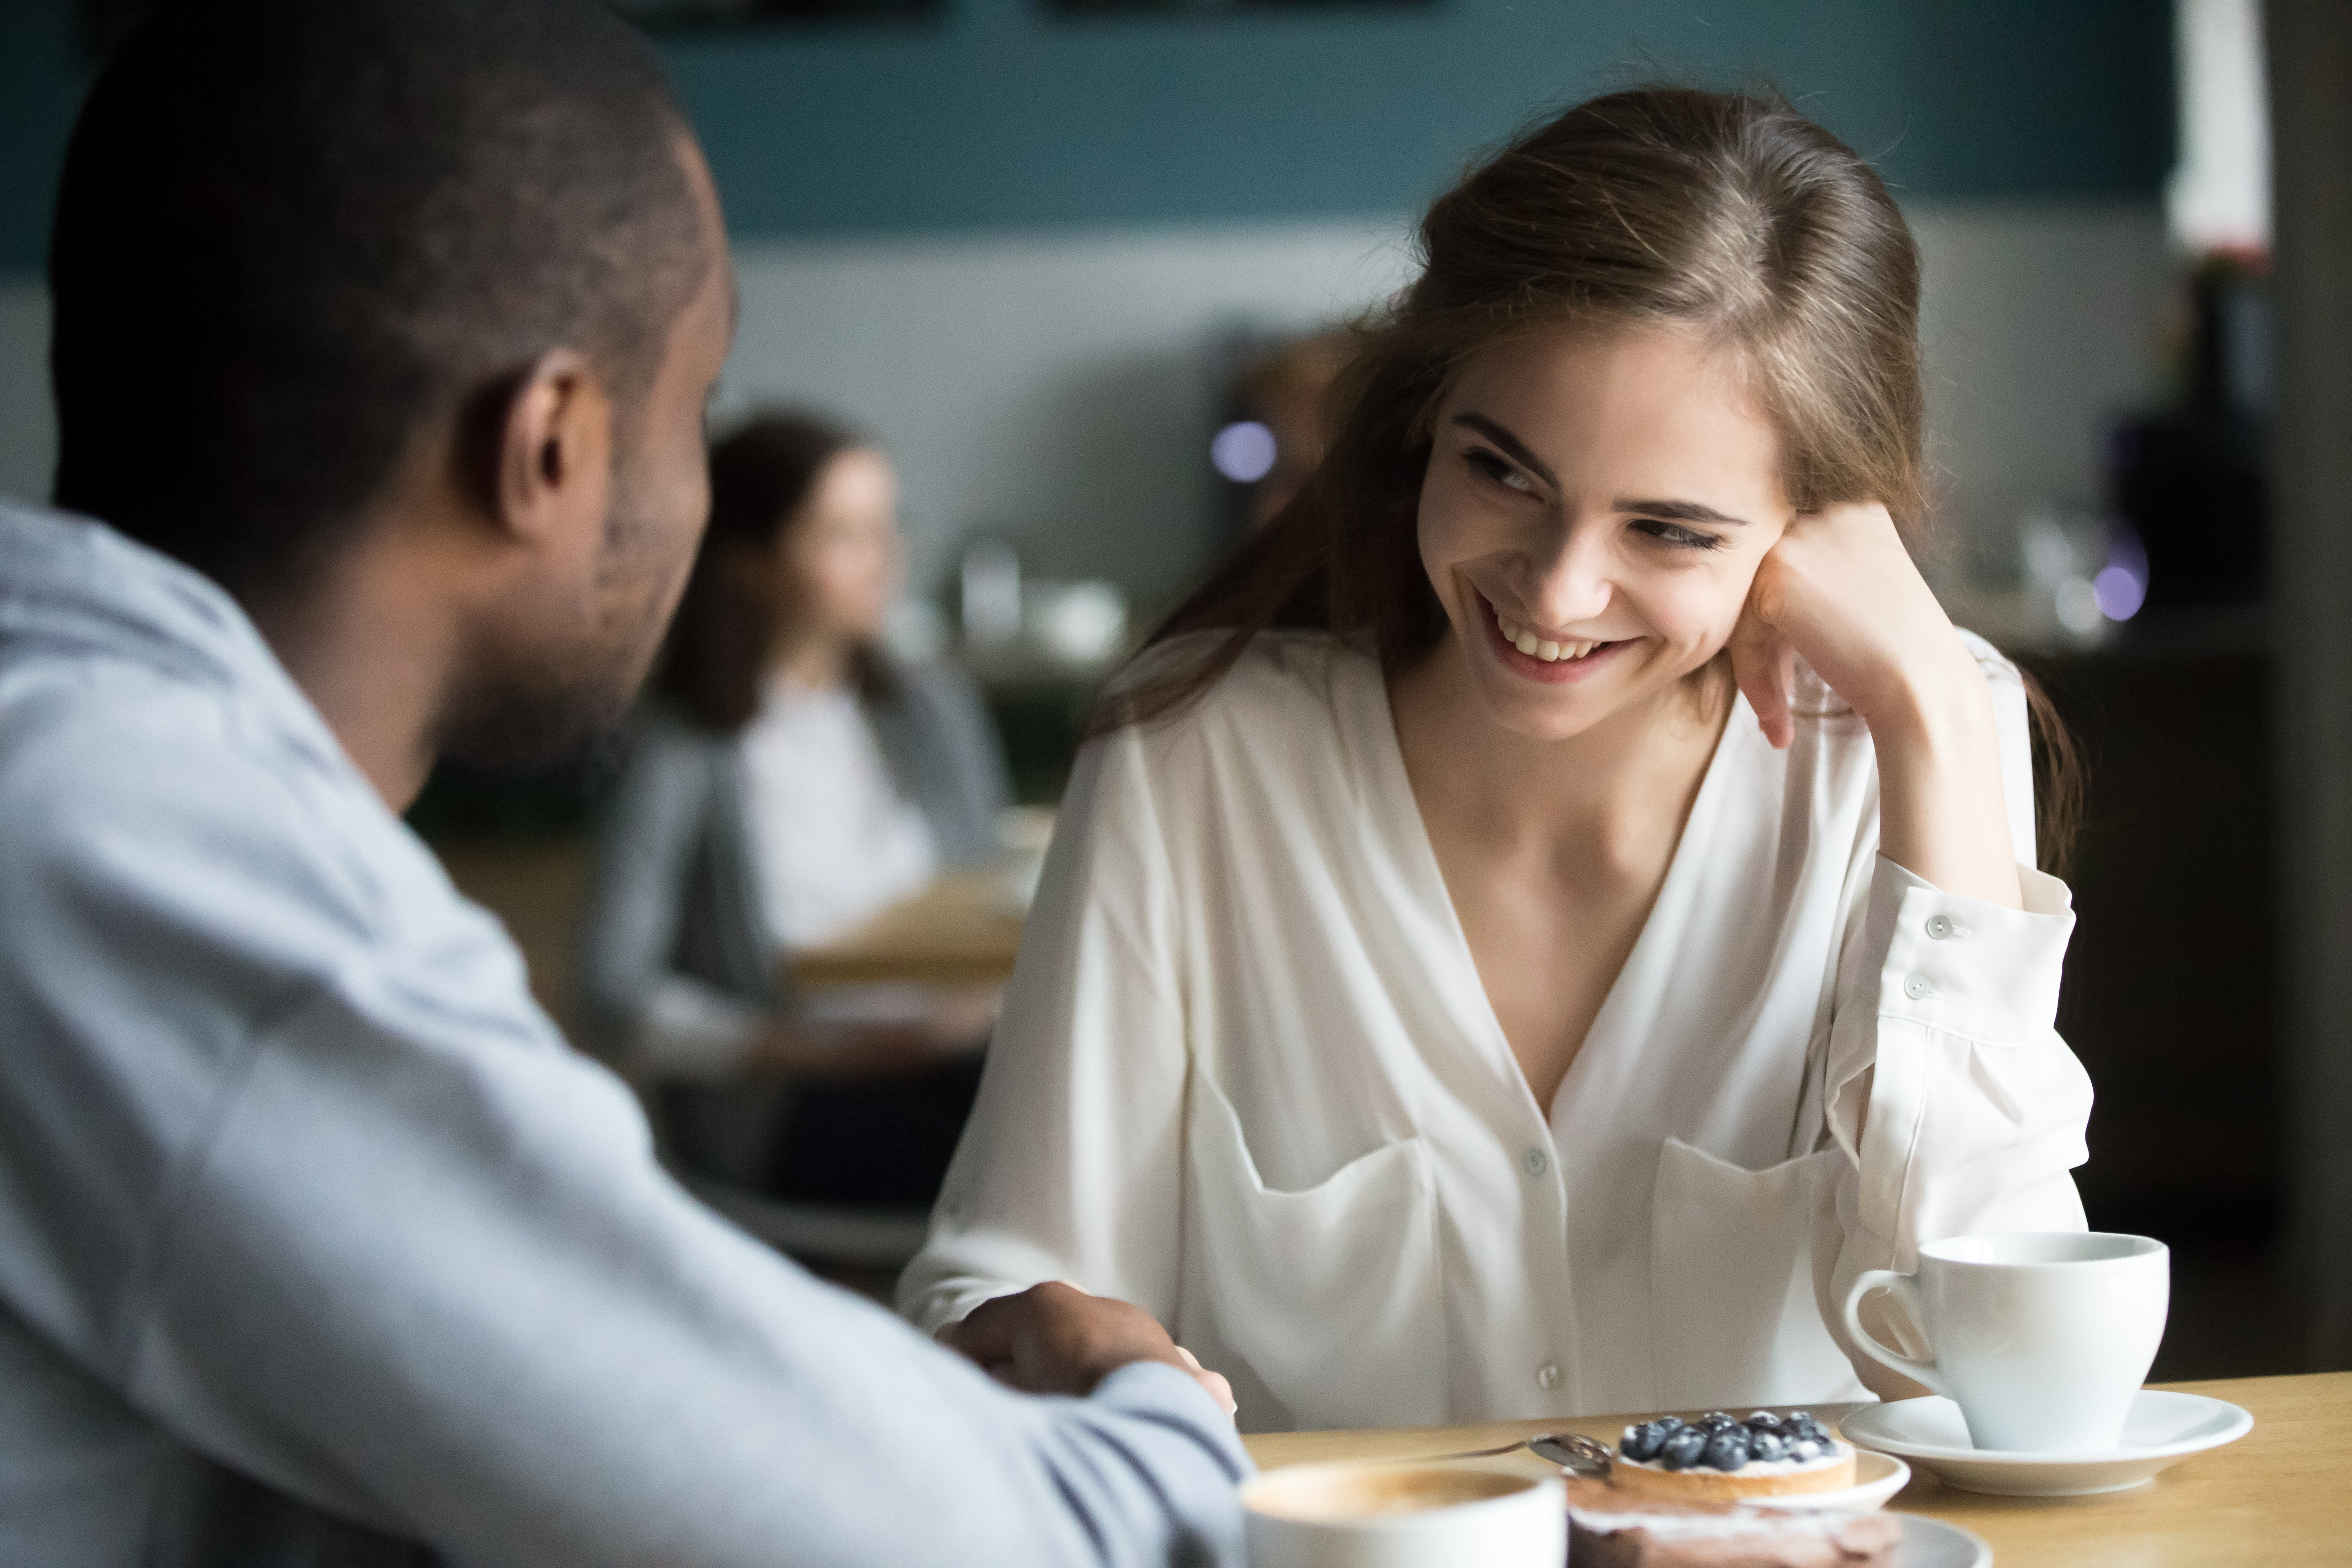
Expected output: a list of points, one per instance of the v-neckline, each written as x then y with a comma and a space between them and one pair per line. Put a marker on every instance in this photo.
1420, 853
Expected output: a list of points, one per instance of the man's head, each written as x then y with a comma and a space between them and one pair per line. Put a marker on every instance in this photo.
311, 258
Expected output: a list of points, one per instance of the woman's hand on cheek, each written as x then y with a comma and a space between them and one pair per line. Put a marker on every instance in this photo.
1840, 591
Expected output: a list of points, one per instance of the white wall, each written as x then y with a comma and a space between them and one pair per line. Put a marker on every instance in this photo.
2041, 324
1059, 387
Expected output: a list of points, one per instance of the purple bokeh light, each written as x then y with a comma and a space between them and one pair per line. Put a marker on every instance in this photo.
2121, 585
2120, 594
1242, 451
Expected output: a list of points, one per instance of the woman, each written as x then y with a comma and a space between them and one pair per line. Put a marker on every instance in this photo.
788, 782
1561, 903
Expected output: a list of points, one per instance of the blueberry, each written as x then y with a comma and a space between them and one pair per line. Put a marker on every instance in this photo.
1726, 1450
1641, 1441
1766, 1446
1683, 1449
1665, 1424
1716, 1421
1804, 1450
1763, 1421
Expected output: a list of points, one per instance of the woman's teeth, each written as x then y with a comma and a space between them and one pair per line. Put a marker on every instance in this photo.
1534, 647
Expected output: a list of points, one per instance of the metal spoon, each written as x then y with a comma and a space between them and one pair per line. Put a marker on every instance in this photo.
1572, 1451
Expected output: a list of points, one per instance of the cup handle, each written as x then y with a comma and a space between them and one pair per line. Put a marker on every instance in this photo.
1907, 1290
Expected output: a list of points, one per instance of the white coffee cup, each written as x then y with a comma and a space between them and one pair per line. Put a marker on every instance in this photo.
2041, 1337
1404, 1516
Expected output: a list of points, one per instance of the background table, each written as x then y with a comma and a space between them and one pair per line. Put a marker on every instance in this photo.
962, 930
2282, 1494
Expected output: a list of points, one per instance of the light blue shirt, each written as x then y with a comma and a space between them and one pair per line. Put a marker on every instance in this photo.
316, 1241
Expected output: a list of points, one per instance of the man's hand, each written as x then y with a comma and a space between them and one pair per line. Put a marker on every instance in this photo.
1055, 1339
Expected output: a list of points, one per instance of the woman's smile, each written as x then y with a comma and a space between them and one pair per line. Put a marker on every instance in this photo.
1526, 653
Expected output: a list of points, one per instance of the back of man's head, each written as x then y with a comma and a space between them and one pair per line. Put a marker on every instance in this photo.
292, 232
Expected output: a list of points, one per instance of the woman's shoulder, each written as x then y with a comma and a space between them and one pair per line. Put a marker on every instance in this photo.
1283, 678
923, 686
665, 752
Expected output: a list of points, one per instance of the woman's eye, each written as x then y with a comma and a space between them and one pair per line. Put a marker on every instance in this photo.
1489, 466
1679, 537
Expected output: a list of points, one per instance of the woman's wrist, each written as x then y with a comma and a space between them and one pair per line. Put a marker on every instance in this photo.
1941, 810
1939, 704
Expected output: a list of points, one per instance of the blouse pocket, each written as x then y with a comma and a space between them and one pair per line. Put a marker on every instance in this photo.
1324, 1303
1736, 1320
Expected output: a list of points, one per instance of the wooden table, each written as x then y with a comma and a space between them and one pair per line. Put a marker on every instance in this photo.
2282, 1494
962, 930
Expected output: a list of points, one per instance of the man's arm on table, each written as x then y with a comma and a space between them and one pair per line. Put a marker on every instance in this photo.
413, 1261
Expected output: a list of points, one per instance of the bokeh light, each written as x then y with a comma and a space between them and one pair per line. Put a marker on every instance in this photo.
1242, 451
2120, 592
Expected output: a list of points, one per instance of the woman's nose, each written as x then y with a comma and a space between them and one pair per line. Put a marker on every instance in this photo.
1575, 582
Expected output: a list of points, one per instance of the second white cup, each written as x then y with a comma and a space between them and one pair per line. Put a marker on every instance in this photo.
2041, 1337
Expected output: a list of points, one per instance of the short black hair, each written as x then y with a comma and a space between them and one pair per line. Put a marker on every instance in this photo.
291, 231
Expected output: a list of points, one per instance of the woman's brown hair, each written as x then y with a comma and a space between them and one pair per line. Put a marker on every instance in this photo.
761, 479
1725, 214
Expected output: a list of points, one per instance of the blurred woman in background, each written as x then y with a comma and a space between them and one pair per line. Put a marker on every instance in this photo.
787, 780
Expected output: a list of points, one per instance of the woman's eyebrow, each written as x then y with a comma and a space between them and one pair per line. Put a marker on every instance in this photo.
1676, 511
1510, 443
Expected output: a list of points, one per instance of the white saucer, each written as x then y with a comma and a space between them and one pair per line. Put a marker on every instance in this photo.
2162, 1429
1932, 1543
1876, 1477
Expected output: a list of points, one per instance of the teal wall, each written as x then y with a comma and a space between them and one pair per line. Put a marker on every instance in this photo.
999, 115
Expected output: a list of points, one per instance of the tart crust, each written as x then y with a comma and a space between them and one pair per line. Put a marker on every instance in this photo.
1700, 1484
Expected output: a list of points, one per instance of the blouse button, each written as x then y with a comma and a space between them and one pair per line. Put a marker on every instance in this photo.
1918, 988
1548, 1376
1535, 1162
1940, 926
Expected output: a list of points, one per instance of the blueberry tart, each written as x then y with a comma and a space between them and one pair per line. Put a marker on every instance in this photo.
1719, 1458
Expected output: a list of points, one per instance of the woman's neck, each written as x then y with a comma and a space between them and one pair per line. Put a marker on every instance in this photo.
811, 663
1606, 793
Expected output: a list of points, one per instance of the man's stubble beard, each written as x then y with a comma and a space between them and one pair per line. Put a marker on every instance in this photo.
553, 708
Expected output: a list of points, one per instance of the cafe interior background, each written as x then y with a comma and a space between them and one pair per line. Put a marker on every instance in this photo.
1035, 246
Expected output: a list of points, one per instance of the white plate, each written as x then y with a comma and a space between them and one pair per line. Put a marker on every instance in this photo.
1932, 1543
2163, 1428
1876, 1477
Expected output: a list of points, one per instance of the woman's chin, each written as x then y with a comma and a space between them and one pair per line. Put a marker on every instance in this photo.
1562, 711
1535, 712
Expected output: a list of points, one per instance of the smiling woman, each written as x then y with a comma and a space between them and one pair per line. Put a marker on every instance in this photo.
1561, 903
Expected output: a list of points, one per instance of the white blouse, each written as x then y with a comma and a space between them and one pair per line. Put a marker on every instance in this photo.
1248, 1079
835, 840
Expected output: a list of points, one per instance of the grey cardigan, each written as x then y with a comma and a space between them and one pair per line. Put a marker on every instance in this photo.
675, 896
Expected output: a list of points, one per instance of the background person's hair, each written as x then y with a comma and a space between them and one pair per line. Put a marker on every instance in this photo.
1725, 214
291, 232
762, 476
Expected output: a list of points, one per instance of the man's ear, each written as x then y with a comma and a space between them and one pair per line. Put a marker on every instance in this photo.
541, 448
